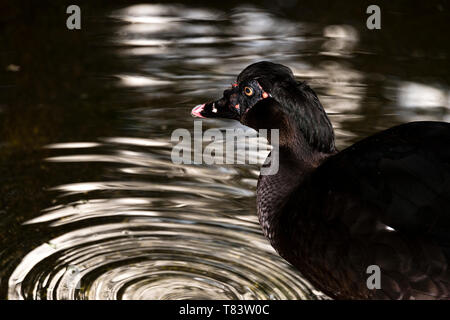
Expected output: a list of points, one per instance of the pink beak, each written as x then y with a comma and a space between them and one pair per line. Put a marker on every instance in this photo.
197, 110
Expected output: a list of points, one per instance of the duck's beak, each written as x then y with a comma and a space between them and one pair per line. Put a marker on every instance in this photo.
221, 108
197, 111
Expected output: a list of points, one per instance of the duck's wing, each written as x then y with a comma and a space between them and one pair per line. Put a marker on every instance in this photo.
391, 194
404, 172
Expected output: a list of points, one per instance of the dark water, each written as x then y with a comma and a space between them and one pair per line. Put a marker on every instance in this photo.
91, 205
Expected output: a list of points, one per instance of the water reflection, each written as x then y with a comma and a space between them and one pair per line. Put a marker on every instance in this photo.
171, 244
144, 258
342, 40
418, 95
125, 222
152, 238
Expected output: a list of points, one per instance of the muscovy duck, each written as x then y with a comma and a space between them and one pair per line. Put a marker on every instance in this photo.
384, 201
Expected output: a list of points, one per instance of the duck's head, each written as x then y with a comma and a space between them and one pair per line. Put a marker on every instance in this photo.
253, 86
267, 96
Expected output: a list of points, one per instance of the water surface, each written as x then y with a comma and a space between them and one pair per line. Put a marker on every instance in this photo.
91, 205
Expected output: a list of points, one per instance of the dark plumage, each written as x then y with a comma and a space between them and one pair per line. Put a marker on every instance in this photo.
383, 201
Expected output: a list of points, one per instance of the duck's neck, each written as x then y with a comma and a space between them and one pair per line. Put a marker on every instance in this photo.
297, 159
273, 191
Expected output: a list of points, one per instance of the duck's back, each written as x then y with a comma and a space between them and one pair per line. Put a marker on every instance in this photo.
384, 201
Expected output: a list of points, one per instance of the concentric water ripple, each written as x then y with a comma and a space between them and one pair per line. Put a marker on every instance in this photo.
197, 241
156, 259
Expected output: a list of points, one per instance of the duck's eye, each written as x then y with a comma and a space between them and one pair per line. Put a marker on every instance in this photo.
248, 91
